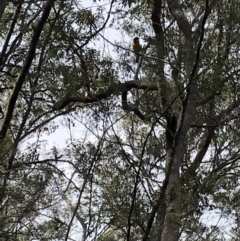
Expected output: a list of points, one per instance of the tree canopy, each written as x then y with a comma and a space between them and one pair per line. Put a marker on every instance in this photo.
152, 151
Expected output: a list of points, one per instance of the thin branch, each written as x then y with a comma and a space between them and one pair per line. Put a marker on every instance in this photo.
10, 32
197, 33
157, 205
100, 29
138, 178
44, 122
88, 174
195, 66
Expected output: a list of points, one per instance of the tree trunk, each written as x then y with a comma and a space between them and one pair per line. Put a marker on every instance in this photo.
174, 203
177, 129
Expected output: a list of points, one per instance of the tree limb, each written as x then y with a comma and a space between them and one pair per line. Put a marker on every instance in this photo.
114, 89
183, 24
133, 108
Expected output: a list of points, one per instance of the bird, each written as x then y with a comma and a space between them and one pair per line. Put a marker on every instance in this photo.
136, 47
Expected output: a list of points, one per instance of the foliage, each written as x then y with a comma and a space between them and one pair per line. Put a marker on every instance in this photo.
153, 148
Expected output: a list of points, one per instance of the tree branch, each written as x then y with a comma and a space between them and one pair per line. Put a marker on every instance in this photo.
100, 29
10, 32
114, 89
26, 67
164, 90
196, 63
197, 32
183, 24
133, 108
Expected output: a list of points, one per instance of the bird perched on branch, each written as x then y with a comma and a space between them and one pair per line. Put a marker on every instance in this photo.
136, 48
